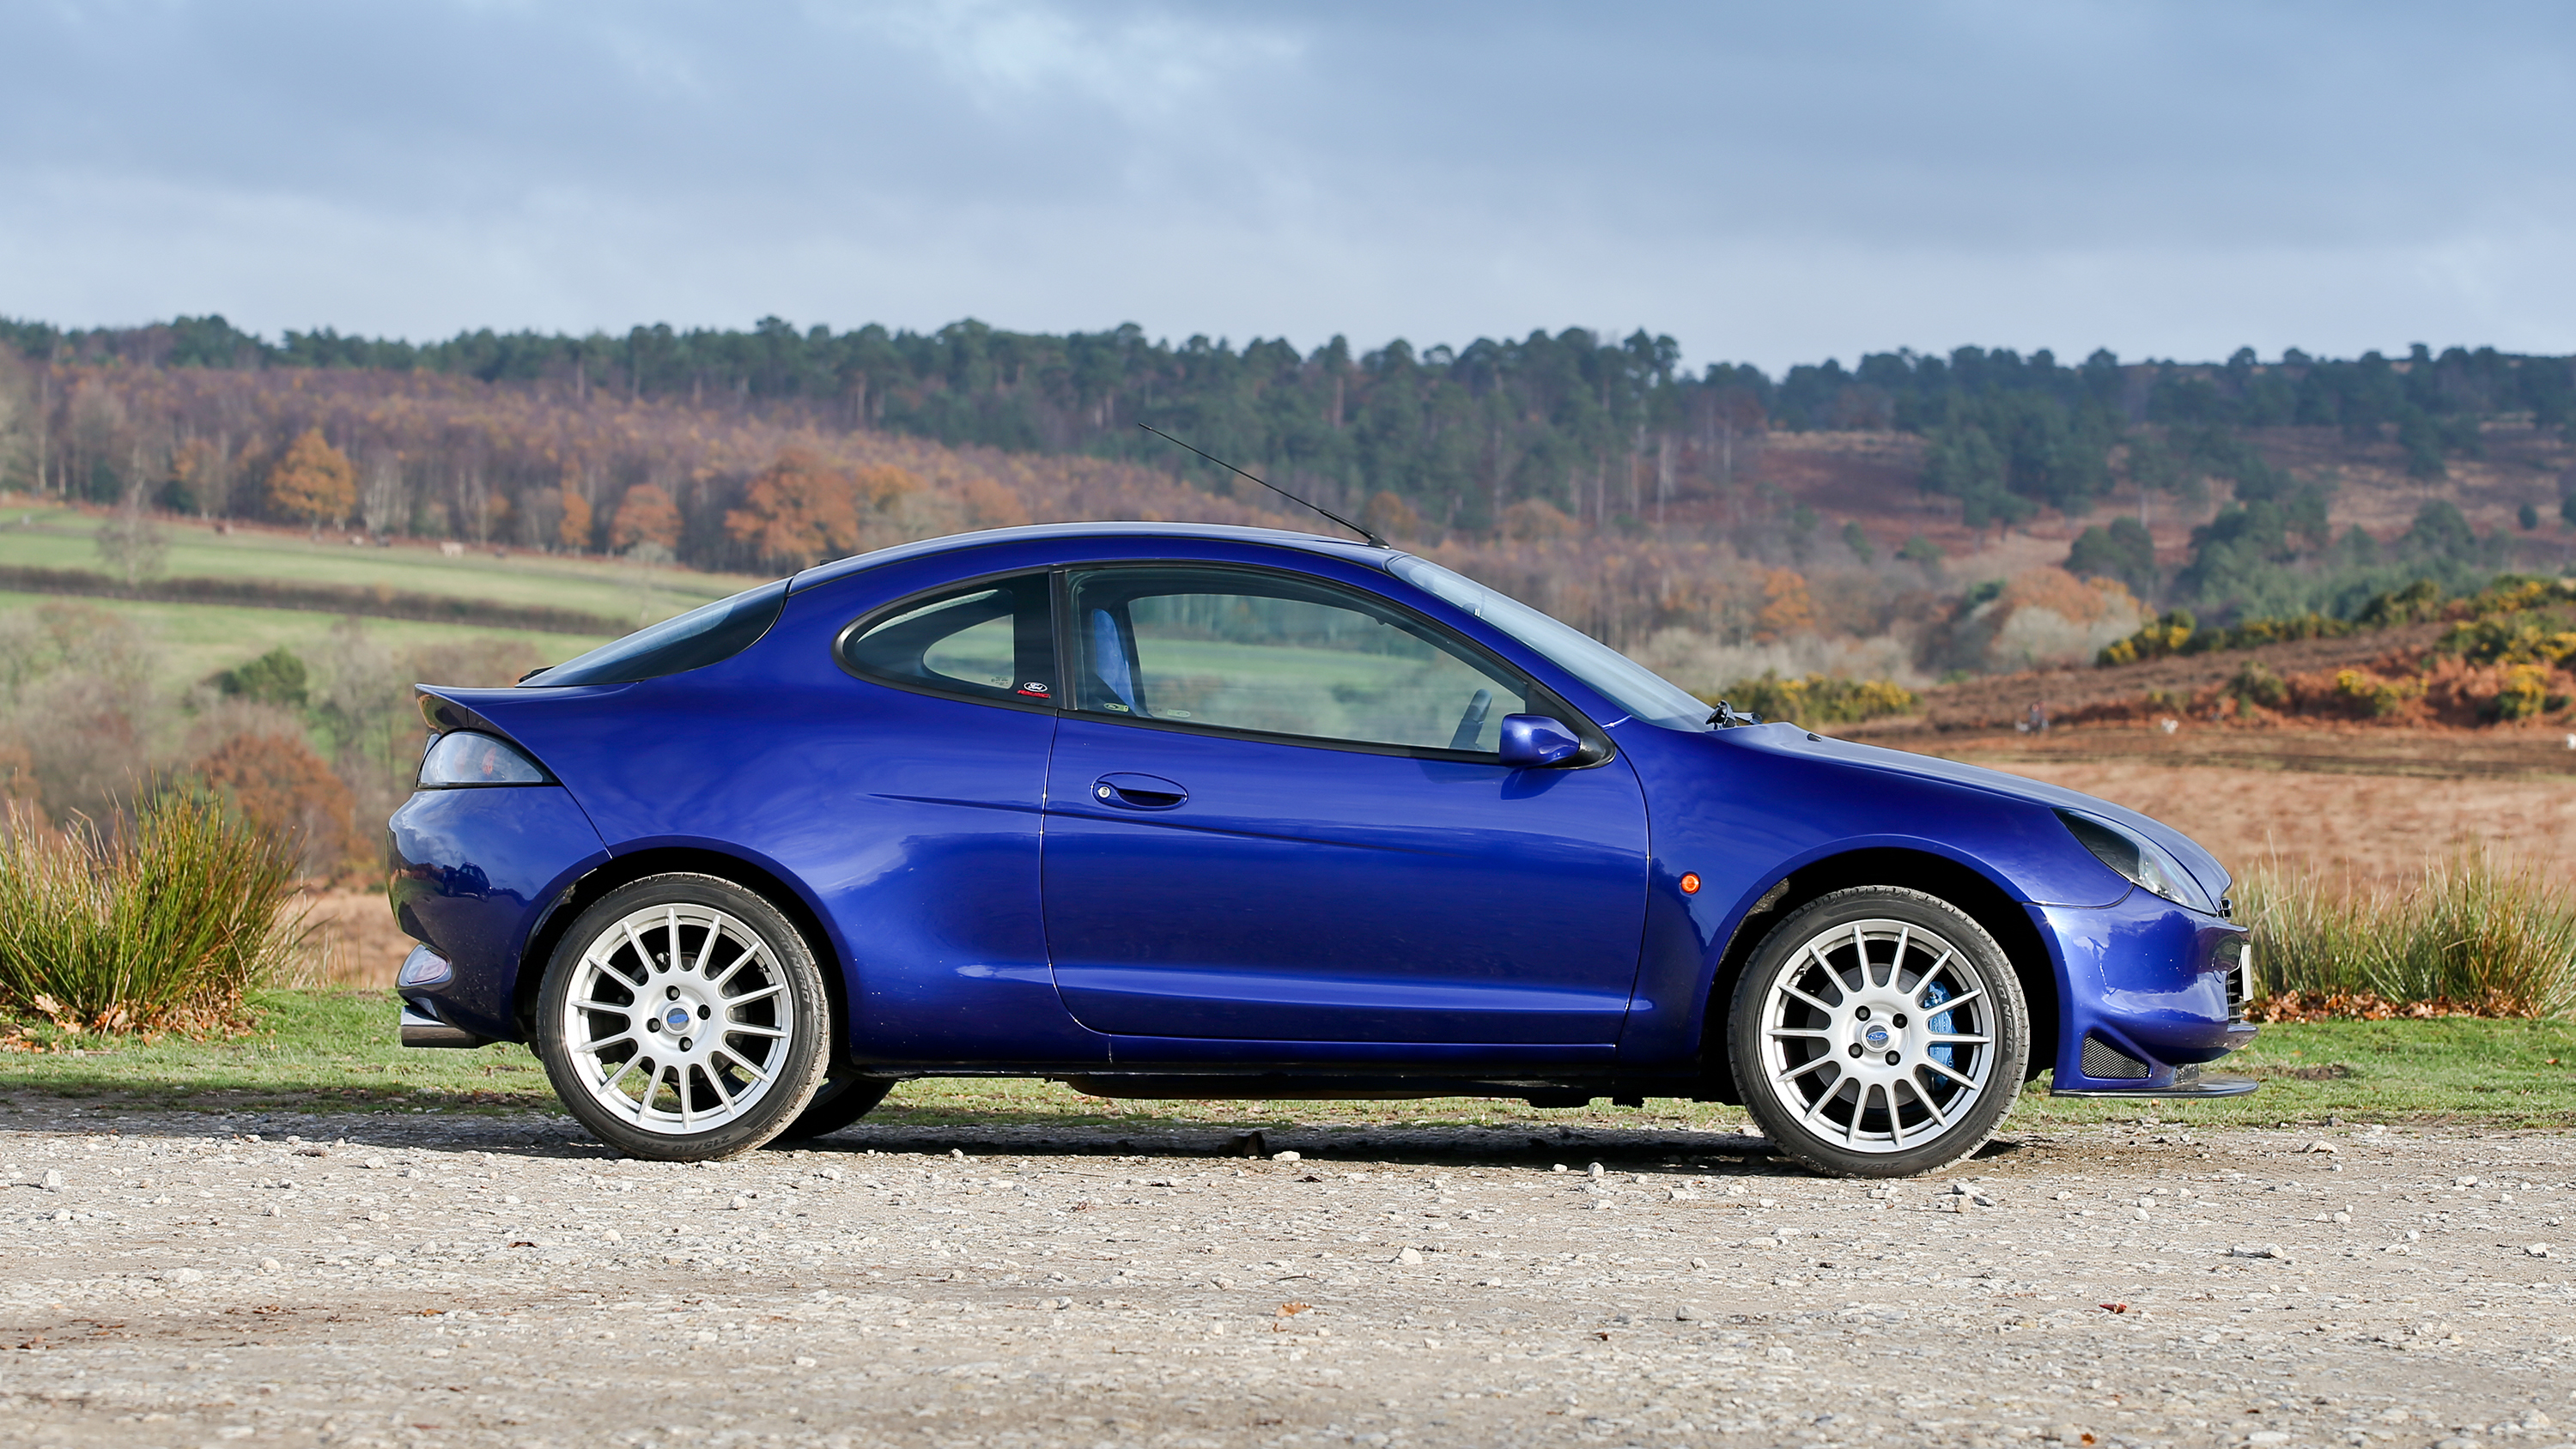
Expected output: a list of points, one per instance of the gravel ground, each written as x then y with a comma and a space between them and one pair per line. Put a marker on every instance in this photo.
429, 1280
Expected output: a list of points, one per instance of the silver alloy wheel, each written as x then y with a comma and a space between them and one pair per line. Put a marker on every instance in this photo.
1878, 1036
678, 1018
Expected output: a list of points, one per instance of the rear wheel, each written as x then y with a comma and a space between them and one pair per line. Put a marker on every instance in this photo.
1879, 1032
683, 1018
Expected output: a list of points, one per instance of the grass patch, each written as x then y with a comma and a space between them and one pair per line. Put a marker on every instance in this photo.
61, 538
323, 1050
196, 640
308, 1050
2510, 1072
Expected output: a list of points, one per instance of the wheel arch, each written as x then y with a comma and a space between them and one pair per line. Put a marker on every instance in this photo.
658, 860
1988, 904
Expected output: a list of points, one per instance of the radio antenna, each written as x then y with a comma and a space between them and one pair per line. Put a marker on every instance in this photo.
1373, 539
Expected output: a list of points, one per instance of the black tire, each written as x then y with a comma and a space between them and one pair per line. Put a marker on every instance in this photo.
1841, 1064
839, 1102
626, 1019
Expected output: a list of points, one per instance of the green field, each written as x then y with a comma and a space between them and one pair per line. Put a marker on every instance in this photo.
319, 1050
196, 640
61, 538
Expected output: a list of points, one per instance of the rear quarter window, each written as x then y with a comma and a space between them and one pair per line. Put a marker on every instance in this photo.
990, 641
694, 640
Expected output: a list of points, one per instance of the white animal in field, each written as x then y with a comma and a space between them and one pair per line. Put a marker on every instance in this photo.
451, 549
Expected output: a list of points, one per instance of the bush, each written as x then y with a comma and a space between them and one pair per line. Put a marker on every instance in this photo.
2255, 685
2381, 697
163, 928
2523, 637
2470, 935
1818, 699
276, 677
2512, 612
280, 787
2156, 639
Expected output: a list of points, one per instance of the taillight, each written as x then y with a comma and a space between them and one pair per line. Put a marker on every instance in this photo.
462, 758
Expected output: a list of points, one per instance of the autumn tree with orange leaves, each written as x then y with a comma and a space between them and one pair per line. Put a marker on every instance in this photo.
280, 785
645, 515
1788, 608
574, 530
801, 510
313, 481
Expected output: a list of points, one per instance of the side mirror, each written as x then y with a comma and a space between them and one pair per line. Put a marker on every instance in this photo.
1534, 742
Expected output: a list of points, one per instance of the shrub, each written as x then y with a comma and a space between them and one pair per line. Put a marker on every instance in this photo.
2419, 600
276, 677
164, 927
2521, 637
2471, 934
2256, 632
2158, 638
2256, 685
277, 785
1818, 699
2496, 623
2524, 693
2382, 697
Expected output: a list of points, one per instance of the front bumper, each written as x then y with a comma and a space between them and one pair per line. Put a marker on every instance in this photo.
2186, 1084
2149, 993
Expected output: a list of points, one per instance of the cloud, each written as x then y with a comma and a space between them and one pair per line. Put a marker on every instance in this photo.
1772, 183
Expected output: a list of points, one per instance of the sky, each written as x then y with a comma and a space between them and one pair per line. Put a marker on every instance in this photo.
1763, 182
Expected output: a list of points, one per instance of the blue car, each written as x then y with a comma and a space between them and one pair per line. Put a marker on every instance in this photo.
1171, 811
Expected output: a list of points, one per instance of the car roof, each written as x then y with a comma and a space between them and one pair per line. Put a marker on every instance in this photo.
1205, 532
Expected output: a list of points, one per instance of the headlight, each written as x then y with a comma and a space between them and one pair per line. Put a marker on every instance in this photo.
2147, 865
462, 757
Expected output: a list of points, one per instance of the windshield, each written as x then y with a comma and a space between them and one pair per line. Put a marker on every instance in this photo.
701, 636
1632, 686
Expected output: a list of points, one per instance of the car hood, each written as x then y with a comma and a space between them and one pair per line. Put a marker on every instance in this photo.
2203, 866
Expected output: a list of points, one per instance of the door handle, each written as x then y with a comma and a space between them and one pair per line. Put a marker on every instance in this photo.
1133, 791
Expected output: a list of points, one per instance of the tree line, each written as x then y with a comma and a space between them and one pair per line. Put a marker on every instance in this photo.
1605, 431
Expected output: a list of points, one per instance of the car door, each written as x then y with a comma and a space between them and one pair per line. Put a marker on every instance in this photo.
919, 823
1276, 812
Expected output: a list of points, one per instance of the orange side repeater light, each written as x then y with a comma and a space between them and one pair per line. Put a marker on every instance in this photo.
1690, 882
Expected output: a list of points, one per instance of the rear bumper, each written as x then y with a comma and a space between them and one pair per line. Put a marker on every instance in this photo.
474, 871
421, 1029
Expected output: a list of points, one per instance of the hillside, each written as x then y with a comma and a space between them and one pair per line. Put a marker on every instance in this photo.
1877, 479
1914, 518
2085, 694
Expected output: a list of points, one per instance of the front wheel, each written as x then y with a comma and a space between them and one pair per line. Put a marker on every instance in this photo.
682, 1018
1878, 1032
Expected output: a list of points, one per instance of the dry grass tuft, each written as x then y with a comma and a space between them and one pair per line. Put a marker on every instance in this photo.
166, 926
2471, 935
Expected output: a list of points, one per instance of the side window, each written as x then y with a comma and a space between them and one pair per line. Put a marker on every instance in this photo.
1238, 650
988, 641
